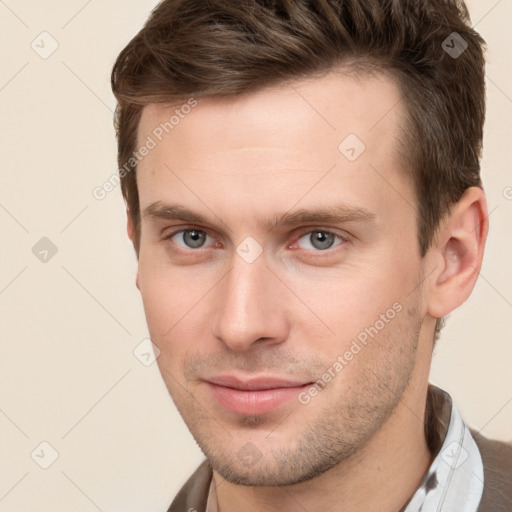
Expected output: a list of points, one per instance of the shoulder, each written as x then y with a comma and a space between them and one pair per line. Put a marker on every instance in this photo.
193, 496
497, 462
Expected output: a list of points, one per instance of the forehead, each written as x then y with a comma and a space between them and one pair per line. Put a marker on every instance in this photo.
276, 142
338, 102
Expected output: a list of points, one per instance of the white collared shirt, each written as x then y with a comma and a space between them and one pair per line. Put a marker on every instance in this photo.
455, 480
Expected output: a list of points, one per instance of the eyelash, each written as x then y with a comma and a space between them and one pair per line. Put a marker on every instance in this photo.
343, 239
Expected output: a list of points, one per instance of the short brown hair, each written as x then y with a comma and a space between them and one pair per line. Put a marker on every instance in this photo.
226, 48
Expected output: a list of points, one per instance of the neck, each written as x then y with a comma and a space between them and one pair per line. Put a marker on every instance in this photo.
381, 477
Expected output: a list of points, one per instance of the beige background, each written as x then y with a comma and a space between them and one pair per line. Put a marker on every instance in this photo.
68, 375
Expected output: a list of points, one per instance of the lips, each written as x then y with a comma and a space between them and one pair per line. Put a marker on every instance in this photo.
255, 396
254, 384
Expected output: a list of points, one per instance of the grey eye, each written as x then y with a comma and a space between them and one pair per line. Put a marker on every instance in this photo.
320, 240
193, 238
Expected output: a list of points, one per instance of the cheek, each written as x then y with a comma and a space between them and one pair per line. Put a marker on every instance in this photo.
349, 300
165, 297
175, 304
163, 308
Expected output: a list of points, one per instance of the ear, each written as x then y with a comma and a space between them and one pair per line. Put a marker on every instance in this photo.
131, 233
129, 225
458, 252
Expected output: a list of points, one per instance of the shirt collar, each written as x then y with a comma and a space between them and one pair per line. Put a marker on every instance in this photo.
455, 479
454, 482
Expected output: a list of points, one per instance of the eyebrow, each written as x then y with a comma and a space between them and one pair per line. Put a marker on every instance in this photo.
338, 214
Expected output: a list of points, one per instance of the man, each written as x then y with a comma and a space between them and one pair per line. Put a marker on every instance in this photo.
303, 195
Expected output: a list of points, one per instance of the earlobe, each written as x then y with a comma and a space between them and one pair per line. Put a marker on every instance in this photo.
460, 248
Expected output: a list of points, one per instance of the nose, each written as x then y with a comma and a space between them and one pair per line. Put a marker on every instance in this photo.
251, 306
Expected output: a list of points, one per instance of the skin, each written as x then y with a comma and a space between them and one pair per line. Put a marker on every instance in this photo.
241, 162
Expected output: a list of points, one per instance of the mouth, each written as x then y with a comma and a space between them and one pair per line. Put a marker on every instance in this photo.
256, 396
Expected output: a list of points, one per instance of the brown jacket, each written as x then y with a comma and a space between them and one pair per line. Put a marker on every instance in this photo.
497, 496
497, 460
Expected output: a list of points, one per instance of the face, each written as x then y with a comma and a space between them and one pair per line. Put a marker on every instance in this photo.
280, 271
